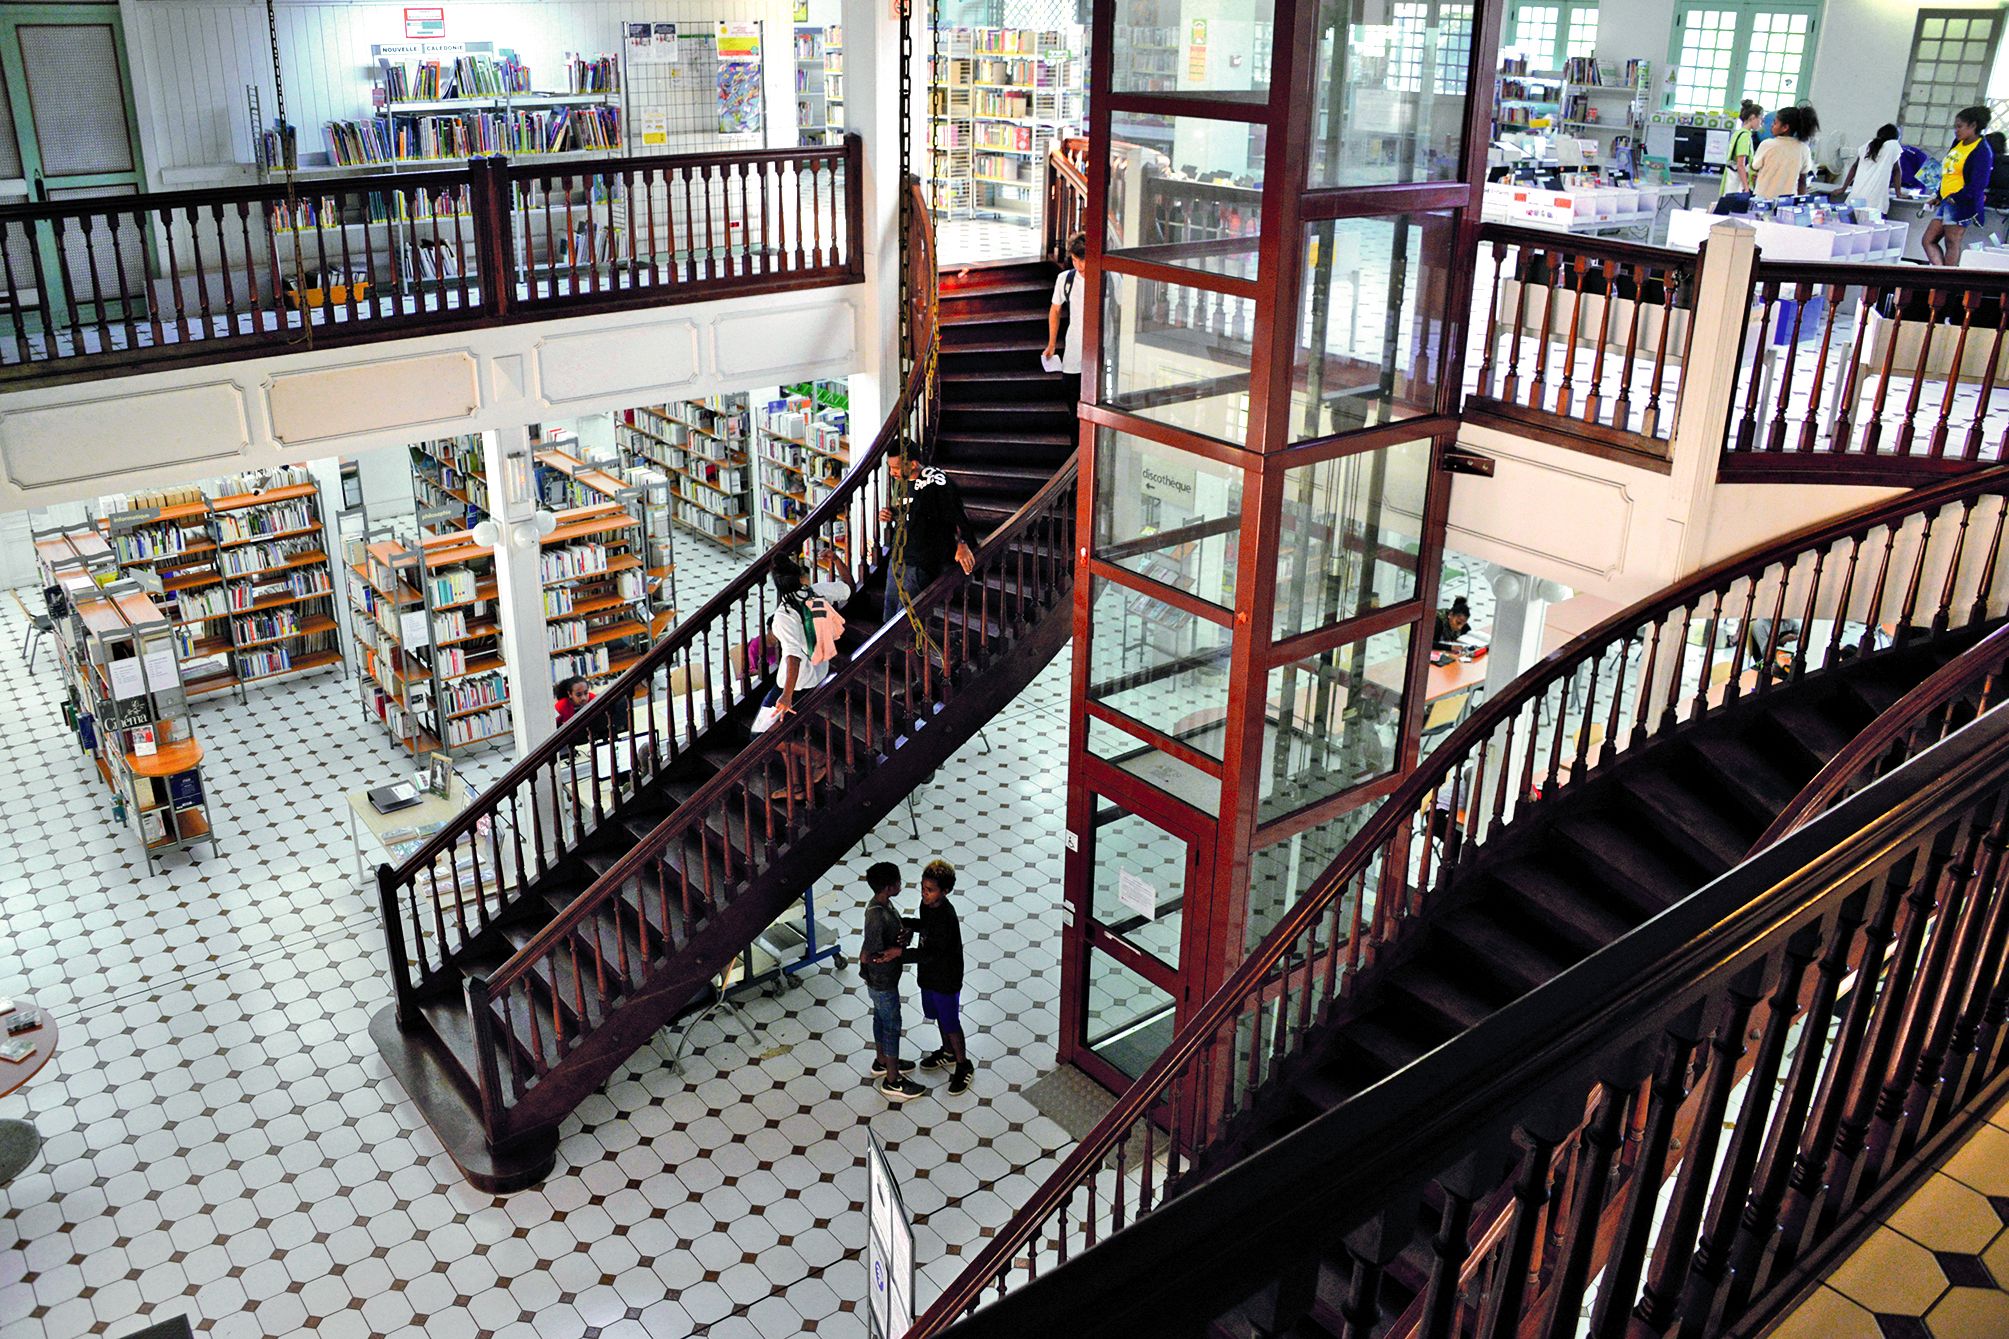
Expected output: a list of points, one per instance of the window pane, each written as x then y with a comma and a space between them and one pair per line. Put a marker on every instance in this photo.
1535, 29
1703, 65
1129, 1019
1778, 55
1157, 49
1187, 191
1159, 665
1331, 722
1583, 31
1178, 779
1385, 112
1177, 354
1137, 862
1351, 533
1370, 324
1282, 873
1168, 514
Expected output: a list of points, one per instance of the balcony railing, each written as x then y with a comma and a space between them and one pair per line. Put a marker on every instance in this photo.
103, 286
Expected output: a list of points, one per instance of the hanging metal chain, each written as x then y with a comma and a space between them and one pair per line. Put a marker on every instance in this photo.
306, 336
278, 80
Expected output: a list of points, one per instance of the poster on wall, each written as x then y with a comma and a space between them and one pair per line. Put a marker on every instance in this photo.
740, 110
665, 40
641, 44
429, 21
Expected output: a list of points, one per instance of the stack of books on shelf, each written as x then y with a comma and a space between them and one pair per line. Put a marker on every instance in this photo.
598, 74
700, 447
429, 640
249, 544
802, 449
603, 622
448, 483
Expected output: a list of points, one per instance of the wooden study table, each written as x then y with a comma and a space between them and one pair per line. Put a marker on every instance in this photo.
18, 1140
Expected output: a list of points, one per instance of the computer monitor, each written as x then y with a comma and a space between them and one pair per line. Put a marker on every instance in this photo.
1691, 148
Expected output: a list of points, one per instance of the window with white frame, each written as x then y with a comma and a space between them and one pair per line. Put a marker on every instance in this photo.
1413, 36
1952, 51
1724, 51
1550, 33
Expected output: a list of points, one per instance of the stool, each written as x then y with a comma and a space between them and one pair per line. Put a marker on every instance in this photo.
43, 626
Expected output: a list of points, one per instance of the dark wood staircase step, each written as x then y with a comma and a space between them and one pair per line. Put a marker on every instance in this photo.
1488, 948
1631, 864
1802, 726
1447, 998
1745, 775
1686, 819
1562, 908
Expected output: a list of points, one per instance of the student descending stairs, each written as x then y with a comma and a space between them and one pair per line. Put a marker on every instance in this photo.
594, 894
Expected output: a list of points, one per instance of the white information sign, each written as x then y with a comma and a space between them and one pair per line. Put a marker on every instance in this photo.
889, 1249
126, 680
160, 670
1138, 895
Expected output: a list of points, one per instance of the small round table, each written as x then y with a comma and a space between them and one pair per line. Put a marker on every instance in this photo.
18, 1141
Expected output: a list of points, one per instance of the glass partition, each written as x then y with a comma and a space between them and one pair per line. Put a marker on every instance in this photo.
1177, 355
1331, 721
1171, 515
1282, 873
1159, 665
1351, 534
1181, 780
1186, 191
1139, 887
1158, 47
1130, 1020
1391, 81
1370, 322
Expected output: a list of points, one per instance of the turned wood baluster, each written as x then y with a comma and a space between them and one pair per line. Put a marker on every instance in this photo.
1810, 422
1777, 439
1487, 371
1565, 393
1937, 447
1621, 417
1522, 268
1935, 299
1650, 421
1971, 450
1873, 429
1761, 338
1594, 401
1597, 1162
1538, 387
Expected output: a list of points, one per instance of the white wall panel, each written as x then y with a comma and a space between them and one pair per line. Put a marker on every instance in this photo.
192, 58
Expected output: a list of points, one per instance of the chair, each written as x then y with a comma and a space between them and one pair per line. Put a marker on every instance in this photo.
1442, 716
42, 626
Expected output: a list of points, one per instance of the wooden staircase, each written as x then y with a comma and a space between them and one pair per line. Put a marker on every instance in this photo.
622, 879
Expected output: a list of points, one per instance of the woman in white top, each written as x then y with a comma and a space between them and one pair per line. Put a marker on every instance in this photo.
793, 628
1069, 292
1874, 172
1784, 162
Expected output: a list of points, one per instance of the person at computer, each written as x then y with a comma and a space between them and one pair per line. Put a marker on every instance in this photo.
1452, 625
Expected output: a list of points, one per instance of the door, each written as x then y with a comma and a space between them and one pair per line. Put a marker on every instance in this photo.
1144, 935
68, 131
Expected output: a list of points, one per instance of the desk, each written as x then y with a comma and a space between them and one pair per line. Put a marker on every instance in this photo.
386, 831
1442, 681
18, 1141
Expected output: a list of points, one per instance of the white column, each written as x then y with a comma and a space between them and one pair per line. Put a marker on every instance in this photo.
872, 112
1515, 640
519, 580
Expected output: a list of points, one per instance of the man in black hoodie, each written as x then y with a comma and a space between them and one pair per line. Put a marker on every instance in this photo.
941, 972
938, 528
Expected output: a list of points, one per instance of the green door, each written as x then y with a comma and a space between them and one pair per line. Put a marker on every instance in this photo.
68, 131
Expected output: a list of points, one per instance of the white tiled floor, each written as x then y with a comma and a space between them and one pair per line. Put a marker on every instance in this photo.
224, 1143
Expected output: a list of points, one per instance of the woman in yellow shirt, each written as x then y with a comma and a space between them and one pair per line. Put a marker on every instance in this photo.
1963, 188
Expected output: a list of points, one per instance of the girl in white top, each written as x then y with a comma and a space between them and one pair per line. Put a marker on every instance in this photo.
1871, 176
792, 627
1069, 291
1783, 162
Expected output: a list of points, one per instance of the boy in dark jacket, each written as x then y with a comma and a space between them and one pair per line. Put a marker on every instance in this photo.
941, 972
938, 528
879, 962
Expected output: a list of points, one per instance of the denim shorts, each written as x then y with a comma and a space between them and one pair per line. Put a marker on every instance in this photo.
885, 1020
945, 1007
1956, 215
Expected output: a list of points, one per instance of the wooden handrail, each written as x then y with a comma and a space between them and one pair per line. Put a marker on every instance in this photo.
1978, 669
1259, 970
894, 638
1604, 248
604, 705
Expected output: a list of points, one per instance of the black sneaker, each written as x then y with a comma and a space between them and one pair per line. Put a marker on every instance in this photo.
941, 1059
879, 1066
959, 1082
900, 1090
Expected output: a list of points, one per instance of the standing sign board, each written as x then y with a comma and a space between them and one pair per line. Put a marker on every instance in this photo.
889, 1249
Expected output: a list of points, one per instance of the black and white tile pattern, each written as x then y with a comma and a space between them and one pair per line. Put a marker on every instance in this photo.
222, 1141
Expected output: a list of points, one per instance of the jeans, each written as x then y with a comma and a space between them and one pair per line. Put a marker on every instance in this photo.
916, 581
886, 1021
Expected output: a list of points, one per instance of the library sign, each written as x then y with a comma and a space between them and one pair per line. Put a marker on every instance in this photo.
425, 22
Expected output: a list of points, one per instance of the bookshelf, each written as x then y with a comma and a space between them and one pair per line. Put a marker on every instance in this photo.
833, 84
812, 115
242, 574
428, 638
126, 702
565, 482
448, 483
997, 99
801, 451
702, 448
596, 592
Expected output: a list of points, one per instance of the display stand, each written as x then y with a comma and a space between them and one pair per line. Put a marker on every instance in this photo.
701, 445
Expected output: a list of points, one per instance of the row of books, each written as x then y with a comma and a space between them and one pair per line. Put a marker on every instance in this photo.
255, 558
483, 690
328, 211
465, 77
601, 74
590, 663
270, 660
252, 522
154, 543
405, 137
482, 725
451, 585
306, 582
264, 627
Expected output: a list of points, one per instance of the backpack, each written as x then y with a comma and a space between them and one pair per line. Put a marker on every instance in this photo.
1066, 305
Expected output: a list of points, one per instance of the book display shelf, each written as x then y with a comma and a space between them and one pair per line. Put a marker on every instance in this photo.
801, 450
567, 482
127, 705
428, 641
448, 484
596, 593
998, 97
833, 84
240, 568
811, 96
701, 446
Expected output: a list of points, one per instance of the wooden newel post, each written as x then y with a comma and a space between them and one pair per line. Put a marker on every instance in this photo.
854, 205
494, 245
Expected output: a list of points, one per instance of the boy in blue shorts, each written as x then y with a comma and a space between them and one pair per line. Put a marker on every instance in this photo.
940, 969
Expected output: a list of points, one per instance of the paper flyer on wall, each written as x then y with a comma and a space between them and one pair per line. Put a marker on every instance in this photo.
740, 109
